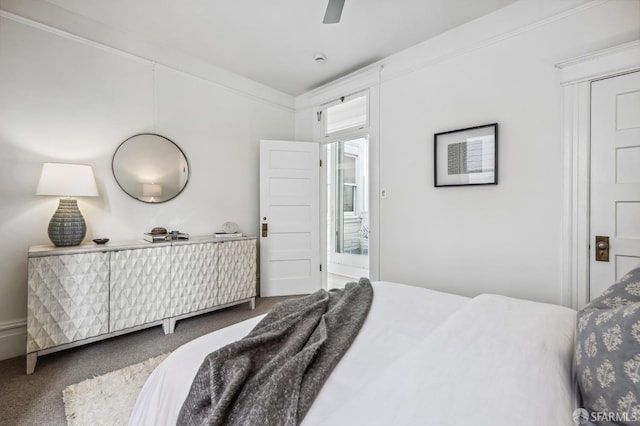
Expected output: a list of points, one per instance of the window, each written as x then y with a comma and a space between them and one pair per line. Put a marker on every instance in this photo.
346, 114
350, 185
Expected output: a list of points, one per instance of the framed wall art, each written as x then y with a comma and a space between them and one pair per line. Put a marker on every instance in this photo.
466, 156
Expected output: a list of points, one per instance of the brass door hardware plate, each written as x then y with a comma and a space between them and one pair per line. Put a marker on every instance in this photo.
602, 248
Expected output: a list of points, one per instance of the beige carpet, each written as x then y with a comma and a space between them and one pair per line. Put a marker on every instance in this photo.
94, 401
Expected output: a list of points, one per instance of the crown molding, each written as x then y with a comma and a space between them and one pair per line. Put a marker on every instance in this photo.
603, 63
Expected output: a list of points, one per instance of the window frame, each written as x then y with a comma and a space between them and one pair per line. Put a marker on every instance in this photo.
340, 134
354, 186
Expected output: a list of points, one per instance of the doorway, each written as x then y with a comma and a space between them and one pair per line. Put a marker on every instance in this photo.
290, 237
347, 210
577, 76
615, 180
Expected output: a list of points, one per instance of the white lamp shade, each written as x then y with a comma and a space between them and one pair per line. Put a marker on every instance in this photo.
67, 180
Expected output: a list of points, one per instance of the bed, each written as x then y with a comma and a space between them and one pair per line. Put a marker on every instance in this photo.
421, 357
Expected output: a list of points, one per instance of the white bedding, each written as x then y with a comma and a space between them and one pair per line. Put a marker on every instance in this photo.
421, 357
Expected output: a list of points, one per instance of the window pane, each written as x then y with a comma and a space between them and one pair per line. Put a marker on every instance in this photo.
349, 198
349, 169
346, 115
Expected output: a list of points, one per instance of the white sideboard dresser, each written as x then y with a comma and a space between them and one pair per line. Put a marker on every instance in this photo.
82, 294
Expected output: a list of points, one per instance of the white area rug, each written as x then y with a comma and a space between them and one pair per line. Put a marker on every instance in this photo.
107, 399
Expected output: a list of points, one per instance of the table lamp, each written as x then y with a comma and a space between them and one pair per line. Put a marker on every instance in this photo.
67, 226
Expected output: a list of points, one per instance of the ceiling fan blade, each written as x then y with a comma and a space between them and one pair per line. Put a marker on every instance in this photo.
334, 11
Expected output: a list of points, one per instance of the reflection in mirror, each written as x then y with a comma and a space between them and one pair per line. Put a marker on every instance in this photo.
150, 168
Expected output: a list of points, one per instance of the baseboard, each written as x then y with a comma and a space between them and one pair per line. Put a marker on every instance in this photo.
347, 271
13, 339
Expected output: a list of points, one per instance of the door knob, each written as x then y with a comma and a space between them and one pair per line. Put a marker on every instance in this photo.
602, 248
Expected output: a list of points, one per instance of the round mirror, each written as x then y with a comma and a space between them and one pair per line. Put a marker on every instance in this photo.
150, 168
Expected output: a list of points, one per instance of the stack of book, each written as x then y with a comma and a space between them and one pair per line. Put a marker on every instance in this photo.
227, 234
171, 236
155, 238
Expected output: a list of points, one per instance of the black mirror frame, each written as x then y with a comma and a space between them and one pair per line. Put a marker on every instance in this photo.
160, 136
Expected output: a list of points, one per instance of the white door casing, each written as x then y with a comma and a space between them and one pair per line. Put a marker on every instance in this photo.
576, 75
615, 177
290, 211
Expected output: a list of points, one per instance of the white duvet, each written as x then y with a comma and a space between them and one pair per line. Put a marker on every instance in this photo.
421, 357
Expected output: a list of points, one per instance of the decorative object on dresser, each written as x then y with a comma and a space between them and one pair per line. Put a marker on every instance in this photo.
177, 235
229, 229
156, 236
67, 226
466, 156
150, 168
88, 293
227, 234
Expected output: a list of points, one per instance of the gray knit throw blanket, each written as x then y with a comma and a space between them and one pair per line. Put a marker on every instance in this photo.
272, 376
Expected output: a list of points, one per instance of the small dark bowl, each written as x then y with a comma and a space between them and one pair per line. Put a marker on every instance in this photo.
101, 240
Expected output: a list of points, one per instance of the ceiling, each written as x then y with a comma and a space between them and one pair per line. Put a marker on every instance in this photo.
271, 42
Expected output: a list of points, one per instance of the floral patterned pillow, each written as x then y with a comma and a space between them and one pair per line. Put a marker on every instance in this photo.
607, 353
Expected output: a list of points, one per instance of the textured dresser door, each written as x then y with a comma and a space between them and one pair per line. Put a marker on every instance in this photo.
194, 277
237, 269
68, 299
140, 286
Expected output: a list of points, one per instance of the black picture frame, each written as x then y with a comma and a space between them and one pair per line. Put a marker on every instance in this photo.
466, 156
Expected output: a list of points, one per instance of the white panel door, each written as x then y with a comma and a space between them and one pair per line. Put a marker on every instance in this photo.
615, 177
289, 218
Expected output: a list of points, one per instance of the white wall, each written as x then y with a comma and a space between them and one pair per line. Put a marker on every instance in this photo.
66, 99
502, 239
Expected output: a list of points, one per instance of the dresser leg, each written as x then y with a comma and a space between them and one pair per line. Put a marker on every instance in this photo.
169, 325
252, 303
32, 358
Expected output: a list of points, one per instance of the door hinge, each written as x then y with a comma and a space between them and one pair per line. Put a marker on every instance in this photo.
319, 114
320, 163
320, 267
